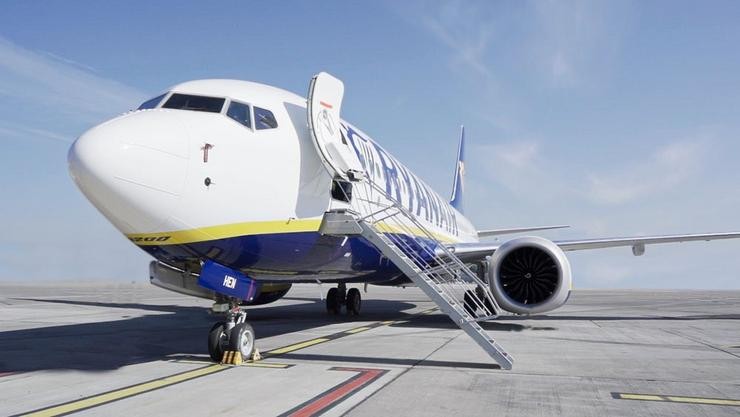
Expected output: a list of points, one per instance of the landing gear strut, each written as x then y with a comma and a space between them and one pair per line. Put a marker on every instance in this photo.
340, 296
233, 334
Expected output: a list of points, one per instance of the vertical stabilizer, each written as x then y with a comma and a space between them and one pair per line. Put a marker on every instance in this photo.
458, 185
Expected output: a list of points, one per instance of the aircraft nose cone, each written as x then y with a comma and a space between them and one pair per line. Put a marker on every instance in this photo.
132, 168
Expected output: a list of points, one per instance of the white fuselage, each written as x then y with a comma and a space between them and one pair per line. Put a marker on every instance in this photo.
187, 185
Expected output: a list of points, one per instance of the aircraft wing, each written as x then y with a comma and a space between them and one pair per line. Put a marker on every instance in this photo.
475, 251
498, 232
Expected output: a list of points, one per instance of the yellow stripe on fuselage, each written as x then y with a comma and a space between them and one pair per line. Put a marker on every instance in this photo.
226, 231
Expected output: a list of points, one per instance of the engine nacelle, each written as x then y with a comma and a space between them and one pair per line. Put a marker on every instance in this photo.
529, 275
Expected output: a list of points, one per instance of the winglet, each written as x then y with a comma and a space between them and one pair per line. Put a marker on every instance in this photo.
456, 200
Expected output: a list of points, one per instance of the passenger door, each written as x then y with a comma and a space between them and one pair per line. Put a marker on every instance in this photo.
324, 103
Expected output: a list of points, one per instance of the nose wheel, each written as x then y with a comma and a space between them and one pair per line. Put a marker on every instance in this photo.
340, 296
218, 341
232, 335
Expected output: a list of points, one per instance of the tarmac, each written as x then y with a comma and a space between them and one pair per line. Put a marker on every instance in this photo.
132, 349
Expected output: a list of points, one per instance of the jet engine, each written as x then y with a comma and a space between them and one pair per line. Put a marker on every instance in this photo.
529, 275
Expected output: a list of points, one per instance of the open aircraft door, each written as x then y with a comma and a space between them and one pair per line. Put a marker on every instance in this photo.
324, 103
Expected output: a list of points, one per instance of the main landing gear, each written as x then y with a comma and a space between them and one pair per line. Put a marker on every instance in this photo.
340, 296
472, 306
234, 334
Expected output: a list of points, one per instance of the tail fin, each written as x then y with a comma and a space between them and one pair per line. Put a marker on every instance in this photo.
458, 185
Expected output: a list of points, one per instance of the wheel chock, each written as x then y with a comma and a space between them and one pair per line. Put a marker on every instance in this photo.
232, 357
256, 355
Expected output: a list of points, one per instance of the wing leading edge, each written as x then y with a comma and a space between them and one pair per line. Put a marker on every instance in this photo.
498, 232
475, 251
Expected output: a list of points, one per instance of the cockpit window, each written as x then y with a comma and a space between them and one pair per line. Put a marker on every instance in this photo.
264, 119
240, 113
196, 103
151, 103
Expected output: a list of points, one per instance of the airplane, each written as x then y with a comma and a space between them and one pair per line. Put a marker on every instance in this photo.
227, 185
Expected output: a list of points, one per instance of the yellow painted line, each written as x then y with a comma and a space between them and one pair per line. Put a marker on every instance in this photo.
126, 392
253, 364
679, 399
641, 397
358, 330
697, 400
122, 393
267, 365
297, 346
192, 361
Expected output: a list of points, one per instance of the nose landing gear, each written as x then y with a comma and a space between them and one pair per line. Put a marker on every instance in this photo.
340, 296
234, 334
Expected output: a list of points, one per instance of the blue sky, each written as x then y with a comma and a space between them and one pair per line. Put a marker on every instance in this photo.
618, 118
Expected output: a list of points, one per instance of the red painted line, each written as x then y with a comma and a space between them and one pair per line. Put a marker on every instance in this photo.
327, 105
337, 394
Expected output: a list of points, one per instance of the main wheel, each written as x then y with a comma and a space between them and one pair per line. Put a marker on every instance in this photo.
333, 306
217, 341
242, 340
486, 300
354, 302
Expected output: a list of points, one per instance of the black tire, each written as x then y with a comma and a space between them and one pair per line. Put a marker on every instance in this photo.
490, 307
333, 306
217, 341
354, 302
469, 304
486, 300
242, 340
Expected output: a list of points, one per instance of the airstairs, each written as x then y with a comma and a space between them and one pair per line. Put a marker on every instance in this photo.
395, 231
405, 241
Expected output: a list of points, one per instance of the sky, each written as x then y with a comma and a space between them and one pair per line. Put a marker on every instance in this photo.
618, 118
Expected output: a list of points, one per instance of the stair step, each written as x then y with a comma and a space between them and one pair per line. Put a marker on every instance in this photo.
441, 279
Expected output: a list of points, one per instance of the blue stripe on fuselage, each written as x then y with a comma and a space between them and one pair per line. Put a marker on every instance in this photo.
289, 257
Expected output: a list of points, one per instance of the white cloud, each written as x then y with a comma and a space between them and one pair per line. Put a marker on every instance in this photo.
468, 42
662, 172
65, 87
572, 41
45, 100
12, 130
523, 169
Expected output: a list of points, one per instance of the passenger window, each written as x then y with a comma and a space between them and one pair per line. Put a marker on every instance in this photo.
151, 103
264, 119
196, 103
240, 113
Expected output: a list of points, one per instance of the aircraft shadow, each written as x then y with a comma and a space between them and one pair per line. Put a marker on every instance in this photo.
171, 331
389, 361
168, 331
441, 321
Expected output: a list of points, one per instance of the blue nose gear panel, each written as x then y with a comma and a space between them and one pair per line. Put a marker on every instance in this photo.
227, 281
